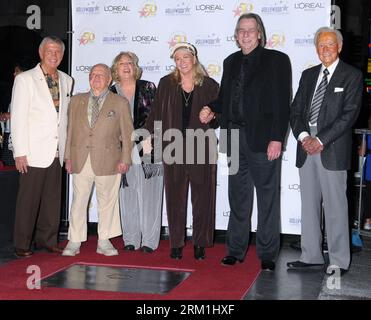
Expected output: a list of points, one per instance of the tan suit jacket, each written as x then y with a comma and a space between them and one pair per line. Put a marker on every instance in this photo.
108, 142
37, 129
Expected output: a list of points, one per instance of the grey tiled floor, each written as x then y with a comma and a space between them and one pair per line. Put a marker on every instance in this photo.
286, 284
355, 285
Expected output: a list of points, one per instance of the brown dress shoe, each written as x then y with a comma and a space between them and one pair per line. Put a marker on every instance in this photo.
53, 249
22, 253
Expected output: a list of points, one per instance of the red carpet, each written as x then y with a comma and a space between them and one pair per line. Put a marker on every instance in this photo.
208, 281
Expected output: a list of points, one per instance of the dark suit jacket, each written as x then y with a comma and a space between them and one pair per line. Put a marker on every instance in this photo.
338, 113
267, 92
168, 108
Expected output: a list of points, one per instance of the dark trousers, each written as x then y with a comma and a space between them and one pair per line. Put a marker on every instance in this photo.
38, 206
254, 170
203, 197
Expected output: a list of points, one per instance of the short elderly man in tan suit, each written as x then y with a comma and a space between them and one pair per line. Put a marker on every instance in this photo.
98, 150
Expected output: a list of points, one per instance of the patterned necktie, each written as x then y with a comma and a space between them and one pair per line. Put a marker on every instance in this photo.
318, 98
94, 111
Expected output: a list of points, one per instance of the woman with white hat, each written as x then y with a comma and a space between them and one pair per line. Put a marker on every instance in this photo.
179, 98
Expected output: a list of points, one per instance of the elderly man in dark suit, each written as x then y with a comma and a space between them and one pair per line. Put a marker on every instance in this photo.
254, 100
325, 107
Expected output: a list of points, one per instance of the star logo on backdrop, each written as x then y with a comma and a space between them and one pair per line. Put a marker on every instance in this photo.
237, 12
176, 38
172, 43
276, 40
148, 10
243, 7
142, 13
86, 37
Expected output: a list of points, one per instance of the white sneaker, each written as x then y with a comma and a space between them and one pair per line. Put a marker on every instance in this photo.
72, 249
106, 248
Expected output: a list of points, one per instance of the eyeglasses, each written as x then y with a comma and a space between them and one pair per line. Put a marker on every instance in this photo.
242, 32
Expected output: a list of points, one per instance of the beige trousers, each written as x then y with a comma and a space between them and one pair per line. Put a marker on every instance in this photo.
107, 190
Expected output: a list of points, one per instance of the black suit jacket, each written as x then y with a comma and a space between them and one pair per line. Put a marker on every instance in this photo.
268, 93
338, 113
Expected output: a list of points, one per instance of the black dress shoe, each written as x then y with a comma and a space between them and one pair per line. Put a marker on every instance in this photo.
176, 253
52, 249
146, 249
302, 265
334, 270
129, 247
230, 260
268, 265
199, 252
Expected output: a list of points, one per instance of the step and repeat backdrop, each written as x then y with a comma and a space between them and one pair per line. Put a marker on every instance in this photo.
101, 29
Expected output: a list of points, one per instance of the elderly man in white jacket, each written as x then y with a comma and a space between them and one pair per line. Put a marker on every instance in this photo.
39, 124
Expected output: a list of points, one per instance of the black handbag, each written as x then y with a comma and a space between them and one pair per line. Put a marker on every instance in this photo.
152, 170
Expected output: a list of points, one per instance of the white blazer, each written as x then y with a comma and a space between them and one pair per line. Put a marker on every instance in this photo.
37, 129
